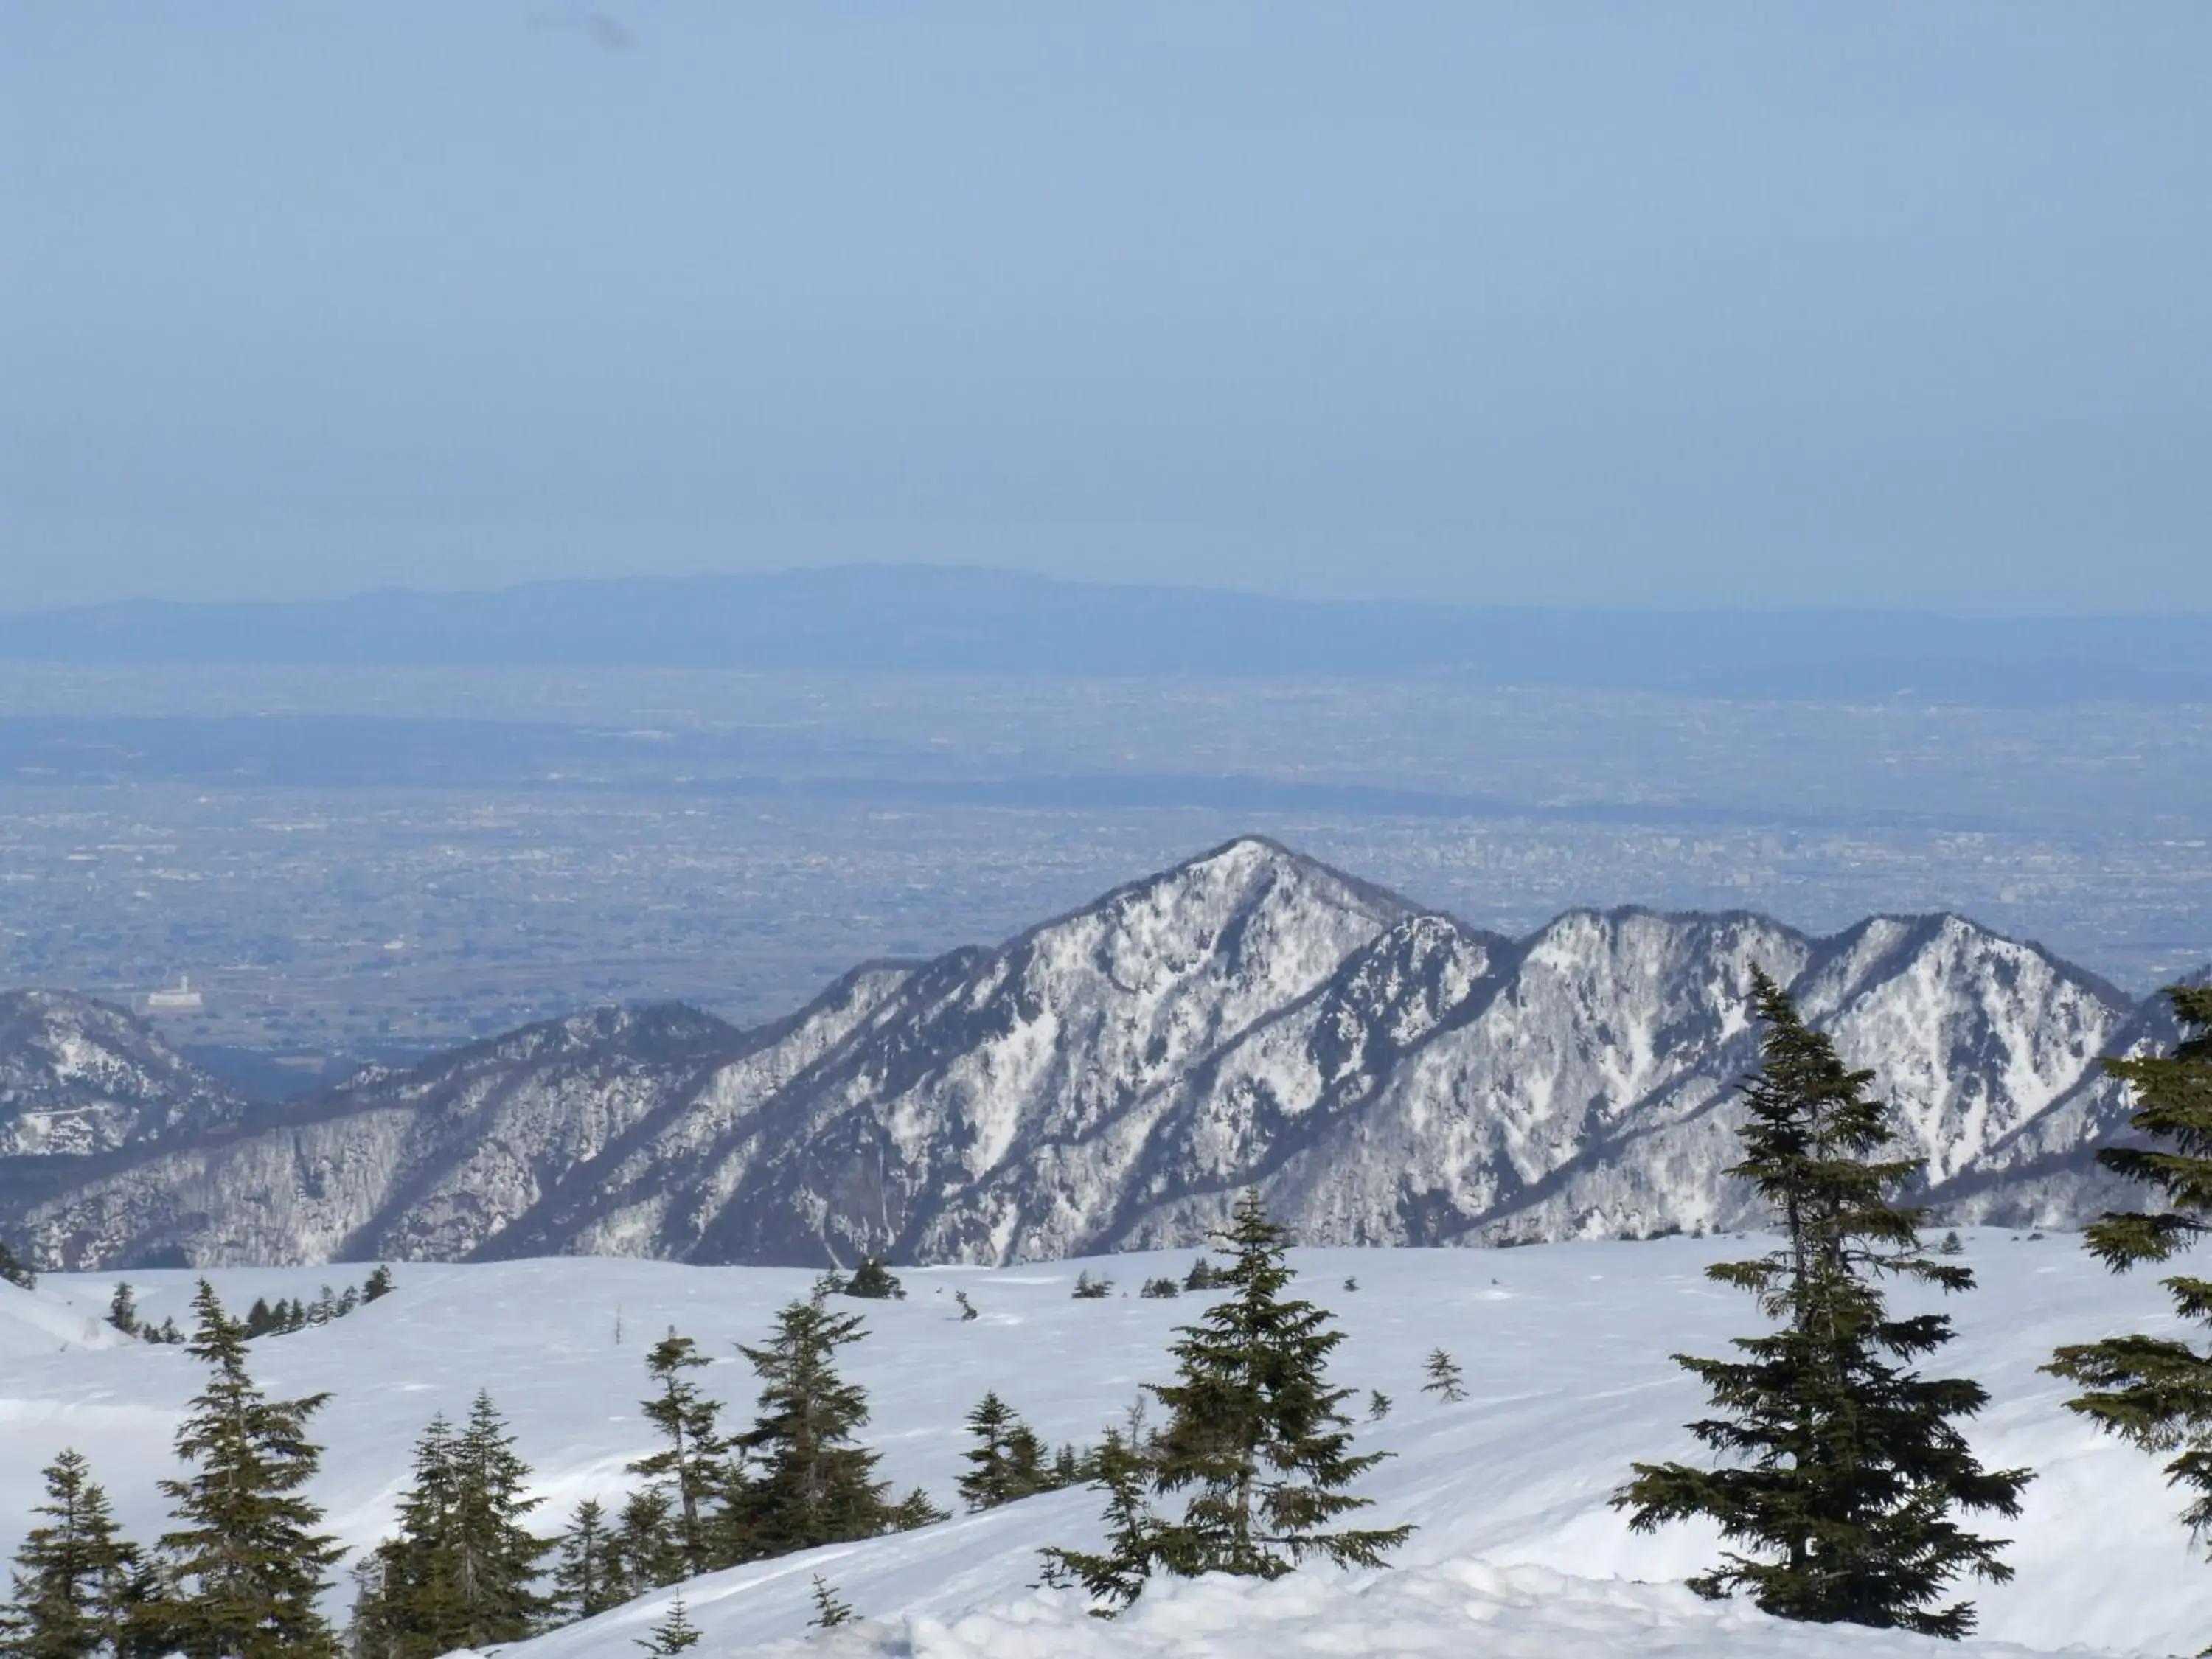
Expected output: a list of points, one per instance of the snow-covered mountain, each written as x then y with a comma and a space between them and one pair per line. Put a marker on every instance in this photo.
1112, 1077
78, 1076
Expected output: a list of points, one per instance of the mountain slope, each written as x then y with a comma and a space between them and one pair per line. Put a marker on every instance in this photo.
80, 1076
1112, 1077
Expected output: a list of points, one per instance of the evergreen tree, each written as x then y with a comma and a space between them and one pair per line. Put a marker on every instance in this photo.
75, 1577
496, 1557
2156, 1392
1255, 1432
378, 1284
245, 1552
260, 1320
809, 1483
1002, 1465
16, 1271
587, 1579
691, 1465
829, 1610
417, 1608
1026, 1471
1255, 1435
644, 1556
1070, 1467
1201, 1276
1378, 1405
1852, 1466
123, 1309
1445, 1377
673, 1634
371, 1632
1160, 1289
915, 1510
1115, 1575
967, 1308
873, 1279
1090, 1289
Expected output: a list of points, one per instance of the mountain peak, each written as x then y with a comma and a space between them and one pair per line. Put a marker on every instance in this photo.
1112, 1076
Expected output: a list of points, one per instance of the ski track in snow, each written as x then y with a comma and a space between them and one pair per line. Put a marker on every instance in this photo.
1564, 1347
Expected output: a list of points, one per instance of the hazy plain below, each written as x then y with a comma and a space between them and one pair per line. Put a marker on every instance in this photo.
346, 858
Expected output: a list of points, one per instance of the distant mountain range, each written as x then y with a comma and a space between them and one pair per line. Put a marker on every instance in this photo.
937, 619
1108, 1080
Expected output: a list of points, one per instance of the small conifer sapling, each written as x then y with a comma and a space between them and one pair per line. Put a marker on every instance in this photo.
829, 1610
674, 1634
1445, 1377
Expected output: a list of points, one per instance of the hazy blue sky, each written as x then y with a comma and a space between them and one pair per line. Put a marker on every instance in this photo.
1900, 304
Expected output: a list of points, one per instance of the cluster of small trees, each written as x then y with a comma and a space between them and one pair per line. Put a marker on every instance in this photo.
465, 1570
283, 1317
123, 1314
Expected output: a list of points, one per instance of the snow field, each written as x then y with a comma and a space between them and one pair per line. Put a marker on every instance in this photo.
1566, 1349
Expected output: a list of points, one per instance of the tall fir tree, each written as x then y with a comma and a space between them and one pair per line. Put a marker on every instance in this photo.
498, 1559
2155, 1392
692, 1467
587, 1577
463, 1570
1847, 1465
1257, 1441
76, 1578
1255, 1431
244, 1554
413, 1609
808, 1480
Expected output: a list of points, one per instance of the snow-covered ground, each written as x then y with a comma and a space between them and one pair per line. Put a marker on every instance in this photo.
1564, 1347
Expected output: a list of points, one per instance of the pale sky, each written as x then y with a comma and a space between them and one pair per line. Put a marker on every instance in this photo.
1760, 303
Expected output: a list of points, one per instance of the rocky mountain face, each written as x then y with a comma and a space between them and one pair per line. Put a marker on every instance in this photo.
78, 1076
1112, 1079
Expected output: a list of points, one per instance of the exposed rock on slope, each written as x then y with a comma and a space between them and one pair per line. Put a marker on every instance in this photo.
1112, 1077
80, 1076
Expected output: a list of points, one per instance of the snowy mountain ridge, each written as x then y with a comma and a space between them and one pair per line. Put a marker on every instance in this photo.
1110, 1078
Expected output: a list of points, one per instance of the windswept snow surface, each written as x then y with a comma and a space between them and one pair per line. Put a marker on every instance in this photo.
1564, 1347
